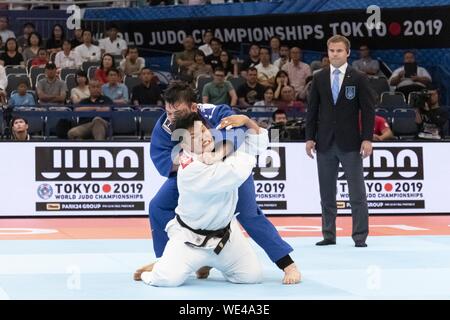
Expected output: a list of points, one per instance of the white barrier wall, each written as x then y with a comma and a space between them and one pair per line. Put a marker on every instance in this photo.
118, 178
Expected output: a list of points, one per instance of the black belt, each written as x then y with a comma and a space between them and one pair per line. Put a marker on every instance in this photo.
223, 234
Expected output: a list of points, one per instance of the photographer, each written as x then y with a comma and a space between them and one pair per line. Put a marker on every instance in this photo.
430, 117
410, 77
283, 130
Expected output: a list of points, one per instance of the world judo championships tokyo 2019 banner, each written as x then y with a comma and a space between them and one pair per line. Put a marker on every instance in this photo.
118, 178
426, 27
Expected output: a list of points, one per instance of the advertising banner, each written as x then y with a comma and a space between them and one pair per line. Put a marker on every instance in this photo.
399, 28
118, 178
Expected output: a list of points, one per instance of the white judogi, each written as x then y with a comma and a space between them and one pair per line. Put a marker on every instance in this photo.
207, 201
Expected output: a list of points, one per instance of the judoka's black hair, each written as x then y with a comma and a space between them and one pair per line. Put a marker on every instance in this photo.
179, 91
188, 121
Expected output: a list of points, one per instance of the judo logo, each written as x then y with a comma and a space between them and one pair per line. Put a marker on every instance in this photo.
45, 191
271, 165
350, 92
397, 163
89, 163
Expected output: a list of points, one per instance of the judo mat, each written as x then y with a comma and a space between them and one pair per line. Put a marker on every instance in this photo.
408, 257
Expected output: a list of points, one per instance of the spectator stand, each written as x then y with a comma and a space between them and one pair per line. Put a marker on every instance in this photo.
125, 122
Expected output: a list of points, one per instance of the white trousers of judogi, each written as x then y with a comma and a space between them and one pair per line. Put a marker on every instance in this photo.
237, 261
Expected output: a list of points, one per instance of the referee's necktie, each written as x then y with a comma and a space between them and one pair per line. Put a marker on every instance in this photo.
335, 85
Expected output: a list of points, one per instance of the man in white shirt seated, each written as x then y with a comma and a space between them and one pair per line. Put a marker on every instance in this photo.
112, 44
3, 84
205, 231
5, 33
365, 63
410, 77
206, 48
67, 58
87, 51
266, 70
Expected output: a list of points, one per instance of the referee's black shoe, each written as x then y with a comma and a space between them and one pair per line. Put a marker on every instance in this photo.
360, 245
325, 242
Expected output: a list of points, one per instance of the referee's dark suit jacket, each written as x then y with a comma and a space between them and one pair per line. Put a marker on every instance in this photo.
326, 122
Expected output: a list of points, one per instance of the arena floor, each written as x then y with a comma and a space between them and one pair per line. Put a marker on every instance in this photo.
91, 258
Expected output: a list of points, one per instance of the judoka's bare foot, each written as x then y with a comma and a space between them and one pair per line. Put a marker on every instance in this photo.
291, 274
146, 268
203, 272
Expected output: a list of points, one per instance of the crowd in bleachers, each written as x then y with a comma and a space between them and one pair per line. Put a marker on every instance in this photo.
49, 4
60, 74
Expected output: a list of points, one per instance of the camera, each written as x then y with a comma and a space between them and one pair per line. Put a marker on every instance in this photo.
419, 99
293, 130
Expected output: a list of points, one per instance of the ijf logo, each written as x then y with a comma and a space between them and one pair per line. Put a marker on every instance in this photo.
350, 92
45, 191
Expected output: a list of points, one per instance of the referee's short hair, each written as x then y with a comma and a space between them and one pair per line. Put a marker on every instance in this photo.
339, 38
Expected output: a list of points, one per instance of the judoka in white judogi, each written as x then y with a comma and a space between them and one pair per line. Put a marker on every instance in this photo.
208, 195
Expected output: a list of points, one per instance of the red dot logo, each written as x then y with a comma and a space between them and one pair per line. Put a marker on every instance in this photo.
395, 29
388, 187
106, 188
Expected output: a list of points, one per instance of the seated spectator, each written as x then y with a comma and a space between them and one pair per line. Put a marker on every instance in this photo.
281, 80
266, 70
219, 91
11, 56
107, 63
409, 77
51, 89
87, 51
146, 93
5, 33
297, 71
381, 130
199, 67
277, 130
365, 63
280, 117
81, 91
132, 64
228, 64
19, 129
206, 47
214, 58
287, 100
34, 44
275, 46
284, 57
252, 60
22, 41
307, 89
55, 43
22, 97
324, 62
67, 58
41, 60
267, 103
185, 59
250, 91
94, 127
3, 84
431, 118
112, 44
78, 38
116, 91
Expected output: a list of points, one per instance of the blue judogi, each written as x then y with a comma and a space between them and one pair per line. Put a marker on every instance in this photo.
162, 206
